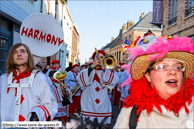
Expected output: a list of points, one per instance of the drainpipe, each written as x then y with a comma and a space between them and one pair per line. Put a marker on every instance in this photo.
41, 6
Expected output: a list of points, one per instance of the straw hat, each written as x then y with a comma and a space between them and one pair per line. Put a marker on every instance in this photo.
181, 49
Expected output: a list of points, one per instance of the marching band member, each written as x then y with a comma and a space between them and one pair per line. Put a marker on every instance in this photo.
55, 66
162, 85
95, 82
119, 88
124, 89
115, 91
71, 82
25, 94
56, 89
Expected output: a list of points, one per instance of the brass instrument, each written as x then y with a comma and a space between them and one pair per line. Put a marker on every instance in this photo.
77, 88
60, 76
109, 61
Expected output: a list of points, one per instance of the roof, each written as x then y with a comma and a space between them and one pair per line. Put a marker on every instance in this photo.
108, 45
116, 42
146, 22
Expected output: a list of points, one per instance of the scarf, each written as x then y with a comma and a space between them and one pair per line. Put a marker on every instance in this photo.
144, 97
54, 68
22, 75
75, 73
53, 80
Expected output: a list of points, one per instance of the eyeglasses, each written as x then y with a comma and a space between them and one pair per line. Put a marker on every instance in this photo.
166, 67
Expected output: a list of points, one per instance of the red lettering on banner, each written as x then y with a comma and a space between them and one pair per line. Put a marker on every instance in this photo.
23, 31
53, 40
48, 38
36, 32
42, 37
30, 33
60, 41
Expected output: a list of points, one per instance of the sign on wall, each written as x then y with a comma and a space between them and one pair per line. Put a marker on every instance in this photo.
157, 11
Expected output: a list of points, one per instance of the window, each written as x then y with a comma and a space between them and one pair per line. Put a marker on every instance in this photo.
56, 9
3, 54
129, 38
190, 7
173, 12
125, 38
119, 55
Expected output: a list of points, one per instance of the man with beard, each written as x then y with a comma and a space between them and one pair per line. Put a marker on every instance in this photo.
25, 94
95, 82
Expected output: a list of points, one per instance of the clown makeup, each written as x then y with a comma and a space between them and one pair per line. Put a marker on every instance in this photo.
167, 82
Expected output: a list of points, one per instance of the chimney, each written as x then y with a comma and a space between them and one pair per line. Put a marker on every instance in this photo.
112, 39
142, 15
124, 27
107, 43
102, 47
130, 24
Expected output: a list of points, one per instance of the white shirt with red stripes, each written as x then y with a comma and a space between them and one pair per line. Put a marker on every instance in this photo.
38, 99
95, 101
62, 110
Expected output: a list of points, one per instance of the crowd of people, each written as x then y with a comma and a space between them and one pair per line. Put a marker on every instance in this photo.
154, 90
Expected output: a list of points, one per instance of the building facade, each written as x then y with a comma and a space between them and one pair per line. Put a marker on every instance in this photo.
131, 32
178, 18
14, 12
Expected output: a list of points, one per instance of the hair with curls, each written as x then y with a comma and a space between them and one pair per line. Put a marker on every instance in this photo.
10, 62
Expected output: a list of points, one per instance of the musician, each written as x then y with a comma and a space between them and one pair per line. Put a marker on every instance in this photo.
82, 67
95, 82
71, 82
25, 94
115, 91
55, 66
56, 89
124, 89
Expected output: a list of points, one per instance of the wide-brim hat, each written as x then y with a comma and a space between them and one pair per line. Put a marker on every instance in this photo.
141, 63
181, 49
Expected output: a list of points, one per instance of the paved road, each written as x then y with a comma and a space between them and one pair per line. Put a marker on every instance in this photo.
115, 112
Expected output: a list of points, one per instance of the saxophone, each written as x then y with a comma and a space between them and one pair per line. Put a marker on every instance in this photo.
77, 88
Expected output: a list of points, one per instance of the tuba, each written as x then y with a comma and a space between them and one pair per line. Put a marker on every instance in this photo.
60, 76
109, 61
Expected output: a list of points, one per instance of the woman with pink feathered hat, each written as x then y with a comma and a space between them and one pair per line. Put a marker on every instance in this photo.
161, 85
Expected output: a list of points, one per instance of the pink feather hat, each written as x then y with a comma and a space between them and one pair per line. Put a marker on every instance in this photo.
159, 48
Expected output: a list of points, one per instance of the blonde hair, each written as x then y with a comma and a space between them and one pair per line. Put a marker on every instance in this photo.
10, 62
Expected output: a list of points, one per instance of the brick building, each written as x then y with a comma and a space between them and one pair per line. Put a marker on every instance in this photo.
178, 18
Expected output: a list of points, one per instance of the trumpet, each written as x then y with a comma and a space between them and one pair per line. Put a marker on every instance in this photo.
109, 61
60, 76
77, 88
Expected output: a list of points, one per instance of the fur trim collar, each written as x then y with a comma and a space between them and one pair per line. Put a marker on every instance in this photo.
144, 97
